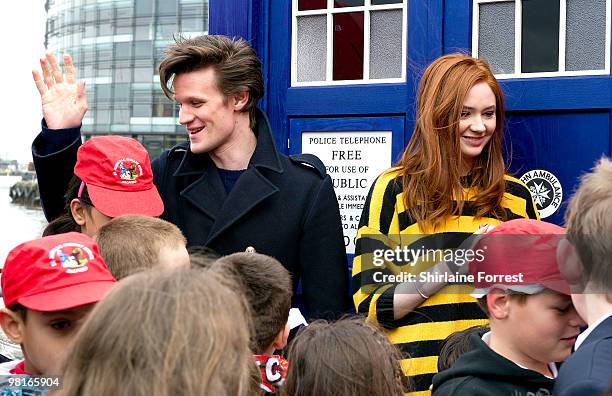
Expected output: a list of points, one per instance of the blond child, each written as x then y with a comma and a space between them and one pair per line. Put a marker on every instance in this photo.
134, 243
585, 259
158, 333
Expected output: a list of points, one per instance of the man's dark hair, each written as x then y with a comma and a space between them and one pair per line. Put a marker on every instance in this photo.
267, 286
236, 66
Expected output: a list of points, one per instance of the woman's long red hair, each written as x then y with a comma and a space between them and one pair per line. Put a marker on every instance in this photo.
431, 162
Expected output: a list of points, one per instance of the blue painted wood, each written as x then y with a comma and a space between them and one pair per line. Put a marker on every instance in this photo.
558, 93
354, 99
424, 33
279, 69
424, 45
435, 25
229, 17
457, 26
259, 25
566, 144
610, 135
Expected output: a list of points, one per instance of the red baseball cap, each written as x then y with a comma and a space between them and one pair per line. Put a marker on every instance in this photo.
118, 176
55, 273
520, 255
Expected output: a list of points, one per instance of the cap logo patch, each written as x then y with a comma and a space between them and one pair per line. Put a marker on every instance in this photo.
128, 170
71, 256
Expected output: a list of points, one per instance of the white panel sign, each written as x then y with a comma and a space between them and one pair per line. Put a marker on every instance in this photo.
353, 160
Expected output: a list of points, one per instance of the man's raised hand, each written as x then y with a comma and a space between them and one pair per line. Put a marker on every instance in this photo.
64, 102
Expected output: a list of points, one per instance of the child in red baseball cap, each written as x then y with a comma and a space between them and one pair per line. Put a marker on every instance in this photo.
112, 177
532, 319
49, 287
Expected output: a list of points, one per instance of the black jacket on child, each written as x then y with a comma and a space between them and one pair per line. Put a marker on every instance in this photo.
281, 206
483, 372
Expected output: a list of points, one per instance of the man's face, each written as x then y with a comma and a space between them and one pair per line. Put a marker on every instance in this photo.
210, 118
46, 337
548, 326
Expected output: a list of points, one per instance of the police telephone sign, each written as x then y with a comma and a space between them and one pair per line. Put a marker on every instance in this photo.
353, 159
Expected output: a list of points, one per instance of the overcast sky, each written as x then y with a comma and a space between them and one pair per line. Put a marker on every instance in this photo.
22, 37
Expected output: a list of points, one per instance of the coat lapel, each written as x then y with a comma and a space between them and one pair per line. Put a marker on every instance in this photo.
207, 193
603, 330
251, 188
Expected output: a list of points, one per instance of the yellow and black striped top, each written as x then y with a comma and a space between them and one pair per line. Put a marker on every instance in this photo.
385, 224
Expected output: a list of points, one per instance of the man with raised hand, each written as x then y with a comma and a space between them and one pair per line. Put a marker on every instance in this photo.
228, 188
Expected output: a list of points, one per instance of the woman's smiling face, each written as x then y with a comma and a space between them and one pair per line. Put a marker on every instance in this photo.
478, 122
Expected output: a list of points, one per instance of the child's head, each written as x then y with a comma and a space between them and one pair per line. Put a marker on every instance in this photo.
456, 345
586, 262
536, 300
345, 358
133, 243
267, 286
177, 332
112, 177
49, 287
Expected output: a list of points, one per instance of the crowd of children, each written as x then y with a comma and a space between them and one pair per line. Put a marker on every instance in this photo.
175, 324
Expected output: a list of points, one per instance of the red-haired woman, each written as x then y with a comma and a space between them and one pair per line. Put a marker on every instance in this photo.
450, 182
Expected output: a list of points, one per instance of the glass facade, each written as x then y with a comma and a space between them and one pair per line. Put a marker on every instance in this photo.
116, 46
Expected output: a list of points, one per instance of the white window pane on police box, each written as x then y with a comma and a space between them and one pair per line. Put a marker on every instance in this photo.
311, 48
386, 44
496, 35
585, 35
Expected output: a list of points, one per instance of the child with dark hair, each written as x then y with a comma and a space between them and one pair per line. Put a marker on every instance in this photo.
347, 358
456, 345
112, 177
267, 286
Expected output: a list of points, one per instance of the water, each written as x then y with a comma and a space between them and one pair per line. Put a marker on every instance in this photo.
17, 223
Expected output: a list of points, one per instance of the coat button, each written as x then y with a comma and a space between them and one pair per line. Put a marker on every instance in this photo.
250, 249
